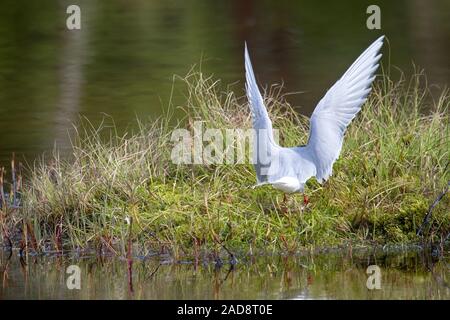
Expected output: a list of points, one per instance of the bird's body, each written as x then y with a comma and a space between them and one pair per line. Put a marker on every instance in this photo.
288, 184
288, 169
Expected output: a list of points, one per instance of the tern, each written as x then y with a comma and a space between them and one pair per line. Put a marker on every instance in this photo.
288, 169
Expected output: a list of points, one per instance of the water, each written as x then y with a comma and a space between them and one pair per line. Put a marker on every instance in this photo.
122, 63
123, 59
338, 275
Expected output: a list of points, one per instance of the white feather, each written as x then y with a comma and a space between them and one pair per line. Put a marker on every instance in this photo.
290, 168
338, 108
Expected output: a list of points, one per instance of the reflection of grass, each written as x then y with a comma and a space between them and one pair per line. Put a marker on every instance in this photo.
391, 168
336, 275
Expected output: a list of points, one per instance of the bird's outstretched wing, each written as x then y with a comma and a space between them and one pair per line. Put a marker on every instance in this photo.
264, 142
338, 108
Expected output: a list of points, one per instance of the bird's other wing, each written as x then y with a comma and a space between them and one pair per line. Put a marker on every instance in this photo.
262, 125
338, 108
260, 116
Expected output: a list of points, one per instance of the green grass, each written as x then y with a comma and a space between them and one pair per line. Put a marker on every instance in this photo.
392, 167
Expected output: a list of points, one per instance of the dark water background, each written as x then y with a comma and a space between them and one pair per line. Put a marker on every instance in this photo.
122, 63
123, 59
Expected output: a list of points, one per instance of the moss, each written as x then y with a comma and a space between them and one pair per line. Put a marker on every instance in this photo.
390, 170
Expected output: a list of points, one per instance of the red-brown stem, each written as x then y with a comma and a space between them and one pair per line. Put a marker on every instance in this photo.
2, 190
13, 176
130, 257
6, 236
58, 236
30, 231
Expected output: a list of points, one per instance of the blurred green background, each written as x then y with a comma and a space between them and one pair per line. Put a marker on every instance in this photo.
123, 59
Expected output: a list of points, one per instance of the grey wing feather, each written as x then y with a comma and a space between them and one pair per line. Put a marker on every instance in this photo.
338, 108
264, 143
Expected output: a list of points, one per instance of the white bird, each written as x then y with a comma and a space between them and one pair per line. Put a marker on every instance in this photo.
288, 169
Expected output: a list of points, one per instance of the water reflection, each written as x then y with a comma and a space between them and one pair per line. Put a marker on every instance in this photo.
340, 275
